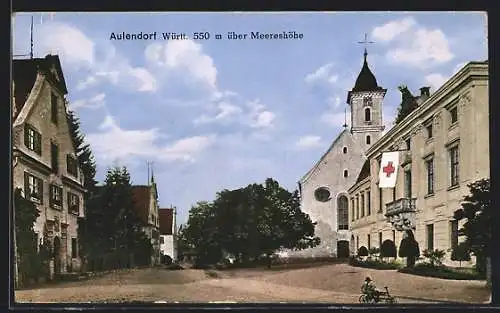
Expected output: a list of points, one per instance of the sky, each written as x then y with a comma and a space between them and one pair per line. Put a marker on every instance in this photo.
220, 114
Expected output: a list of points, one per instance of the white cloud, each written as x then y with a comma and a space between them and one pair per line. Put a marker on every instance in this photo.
308, 142
95, 102
186, 56
334, 102
435, 80
419, 47
322, 74
78, 50
114, 143
392, 29
259, 116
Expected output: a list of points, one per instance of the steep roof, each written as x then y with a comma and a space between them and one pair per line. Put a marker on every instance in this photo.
365, 171
166, 217
142, 197
366, 81
24, 73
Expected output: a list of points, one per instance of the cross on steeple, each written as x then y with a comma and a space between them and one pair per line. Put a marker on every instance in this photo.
365, 42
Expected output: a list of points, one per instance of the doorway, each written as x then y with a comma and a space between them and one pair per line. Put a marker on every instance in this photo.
343, 249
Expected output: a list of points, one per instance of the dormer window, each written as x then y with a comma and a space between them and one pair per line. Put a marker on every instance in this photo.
32, 139
53, 108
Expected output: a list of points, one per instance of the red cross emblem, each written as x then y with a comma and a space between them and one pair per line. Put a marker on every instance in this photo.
389, 169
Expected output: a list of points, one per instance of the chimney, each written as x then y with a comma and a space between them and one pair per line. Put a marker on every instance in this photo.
424, 92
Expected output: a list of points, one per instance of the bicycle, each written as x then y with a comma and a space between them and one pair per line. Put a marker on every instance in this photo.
377, 297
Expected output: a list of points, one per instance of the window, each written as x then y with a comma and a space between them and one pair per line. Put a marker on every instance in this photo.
380, 200
322, 194
352, 209
368, 139
74, 248
32, 139
430, 237
71, 165
408, 184
162, 240
73, 203
367, 101
362, 204
55, 195
344, 150
343, 213
368, 202
429, 164
368, 115
454, 166
54, 152
369, 243
380, 239
429, 131
346, 173
453, 234
408, 143
33, 187
357, 207
453, 115
53, 108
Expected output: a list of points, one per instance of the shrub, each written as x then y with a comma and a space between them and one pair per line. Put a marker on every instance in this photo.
409, 249
166, 259
425, 269
374, 251
362, 251
375, 264
434, 257
461, 253
388, 249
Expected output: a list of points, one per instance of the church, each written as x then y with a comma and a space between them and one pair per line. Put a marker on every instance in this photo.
324, 188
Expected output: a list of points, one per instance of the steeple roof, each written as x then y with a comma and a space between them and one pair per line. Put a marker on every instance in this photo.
366, 81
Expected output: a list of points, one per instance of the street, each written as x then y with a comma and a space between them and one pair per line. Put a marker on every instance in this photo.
334, 283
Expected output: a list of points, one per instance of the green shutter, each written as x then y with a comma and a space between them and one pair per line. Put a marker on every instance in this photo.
26, 185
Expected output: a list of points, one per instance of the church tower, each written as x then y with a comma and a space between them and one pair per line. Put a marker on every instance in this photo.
365, 100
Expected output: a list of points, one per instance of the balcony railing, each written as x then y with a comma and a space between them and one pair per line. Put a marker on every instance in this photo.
400, 206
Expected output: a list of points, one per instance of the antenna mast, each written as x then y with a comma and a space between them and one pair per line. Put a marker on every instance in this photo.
31, 50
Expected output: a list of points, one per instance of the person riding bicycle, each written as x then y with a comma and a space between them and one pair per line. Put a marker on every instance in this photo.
369, 289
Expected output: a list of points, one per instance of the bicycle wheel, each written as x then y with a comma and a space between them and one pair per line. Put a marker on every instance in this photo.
391, 300
363, 299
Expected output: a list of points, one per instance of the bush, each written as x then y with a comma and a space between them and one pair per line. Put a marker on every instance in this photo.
409, 249
166, 259
434, 257
375, 264
374, 251
388, 249
461, 253
362, 251
425, 269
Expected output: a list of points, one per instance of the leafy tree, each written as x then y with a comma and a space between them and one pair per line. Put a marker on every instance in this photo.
388, 249
461, 253
478, 213
409, 249
363, 251
408, 103
26, 214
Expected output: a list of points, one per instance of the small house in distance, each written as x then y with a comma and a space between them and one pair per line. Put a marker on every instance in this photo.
168, 233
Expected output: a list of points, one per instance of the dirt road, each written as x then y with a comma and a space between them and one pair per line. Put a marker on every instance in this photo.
336, 283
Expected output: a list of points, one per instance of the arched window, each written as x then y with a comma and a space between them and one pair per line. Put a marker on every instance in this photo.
368, 139
344, 150
368, 115
342, 213
346, 173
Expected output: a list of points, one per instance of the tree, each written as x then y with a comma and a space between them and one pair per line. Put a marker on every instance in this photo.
478, 213
362, 251
434, 257
408, 103
461, 253
26, 240
409, 249
388, 249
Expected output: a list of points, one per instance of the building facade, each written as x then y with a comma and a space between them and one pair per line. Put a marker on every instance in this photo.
146, 206
443, 146
45, 164
168, 233
324, 188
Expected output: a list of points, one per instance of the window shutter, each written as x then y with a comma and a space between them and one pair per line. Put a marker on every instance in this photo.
40, 184
38, 143
51, 194
26, 186
26, 135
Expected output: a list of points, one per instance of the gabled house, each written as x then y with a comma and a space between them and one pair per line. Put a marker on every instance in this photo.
146, 205
45, 164
168, 232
